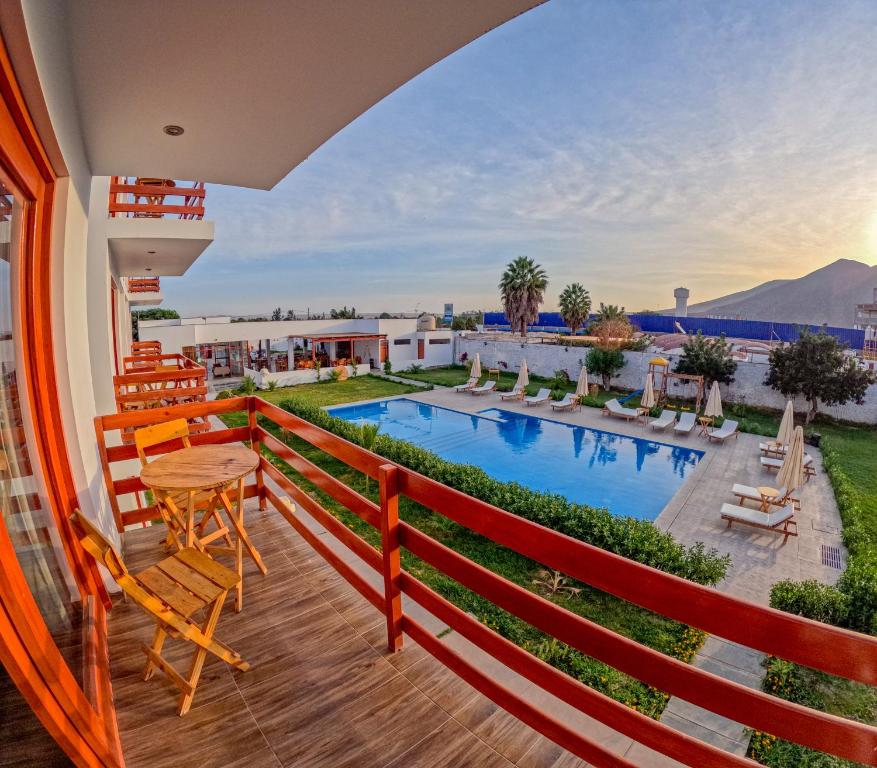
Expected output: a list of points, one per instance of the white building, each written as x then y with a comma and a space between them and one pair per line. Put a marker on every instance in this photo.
289, 348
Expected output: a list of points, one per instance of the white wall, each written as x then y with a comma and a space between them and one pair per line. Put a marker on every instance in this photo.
748, 386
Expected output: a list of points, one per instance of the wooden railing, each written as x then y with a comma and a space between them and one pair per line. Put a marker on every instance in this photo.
139, 348
144, 285
141, 198
820, 646
160, 381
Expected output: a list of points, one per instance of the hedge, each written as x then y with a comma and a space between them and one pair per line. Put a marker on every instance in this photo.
853, 602
634, 539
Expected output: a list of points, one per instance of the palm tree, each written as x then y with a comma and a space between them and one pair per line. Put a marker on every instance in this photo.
575, 306
522, 286
610, 312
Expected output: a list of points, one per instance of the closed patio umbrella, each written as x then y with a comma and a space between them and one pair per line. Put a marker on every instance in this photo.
787, 425
791, 474
713, 402
582, 385
475, 371
648, 398
523, 376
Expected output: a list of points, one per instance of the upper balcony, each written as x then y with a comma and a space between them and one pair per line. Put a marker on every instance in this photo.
143, 291
156, 226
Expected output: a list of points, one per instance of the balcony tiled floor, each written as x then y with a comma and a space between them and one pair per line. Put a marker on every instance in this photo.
321, 692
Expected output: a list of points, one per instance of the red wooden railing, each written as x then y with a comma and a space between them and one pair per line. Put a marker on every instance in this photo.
139, 348
144, 285
142, 198
830, 649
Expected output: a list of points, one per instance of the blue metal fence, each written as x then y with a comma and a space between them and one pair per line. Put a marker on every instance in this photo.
708, 326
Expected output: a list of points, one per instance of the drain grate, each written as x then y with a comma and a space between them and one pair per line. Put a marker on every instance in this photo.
831, 556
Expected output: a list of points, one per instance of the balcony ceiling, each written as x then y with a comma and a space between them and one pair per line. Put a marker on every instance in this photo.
257, 85
167, 246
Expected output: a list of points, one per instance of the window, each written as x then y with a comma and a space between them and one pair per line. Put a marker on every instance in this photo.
401, 342
439, 341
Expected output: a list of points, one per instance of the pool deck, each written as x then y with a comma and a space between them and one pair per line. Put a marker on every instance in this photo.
758, 558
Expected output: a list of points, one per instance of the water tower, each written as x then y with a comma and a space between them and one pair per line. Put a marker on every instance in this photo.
681, 295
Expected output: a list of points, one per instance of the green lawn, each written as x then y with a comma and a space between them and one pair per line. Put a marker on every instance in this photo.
332, 393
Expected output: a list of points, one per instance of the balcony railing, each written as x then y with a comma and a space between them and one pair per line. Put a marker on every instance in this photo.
160, 381
145, 348
144, 285
144, 198
820, 646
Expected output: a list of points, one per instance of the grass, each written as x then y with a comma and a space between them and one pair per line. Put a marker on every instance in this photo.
655, 631
334, 393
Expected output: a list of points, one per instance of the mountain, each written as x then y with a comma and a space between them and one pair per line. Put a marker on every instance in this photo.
826, 296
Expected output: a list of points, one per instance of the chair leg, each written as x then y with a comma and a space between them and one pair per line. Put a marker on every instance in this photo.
157, 643
200, 654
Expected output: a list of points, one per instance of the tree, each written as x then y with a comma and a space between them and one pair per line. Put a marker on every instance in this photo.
155, 313
277, 314
461, 323
605, 363
522, 287
575, 306
385, 316
611, 312
815, 366
290, 315
343, 313
611, 326
707, 357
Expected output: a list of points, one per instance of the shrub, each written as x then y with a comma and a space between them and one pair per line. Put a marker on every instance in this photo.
388, 367
272, 385
247, 387
810, 598
414, 368
334, 375
710, 358
224, 395
626, 536
605, 362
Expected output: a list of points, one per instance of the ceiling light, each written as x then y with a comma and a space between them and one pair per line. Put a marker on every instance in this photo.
151, 253
173, 130
148, 269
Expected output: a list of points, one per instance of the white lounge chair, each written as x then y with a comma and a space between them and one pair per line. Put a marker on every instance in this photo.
570, 402
664, 420
769, 463
772, 448
687, 420
517, 393
728, 428
751, 493
488, 386
542, 396
782, 521
471, 384
614, 408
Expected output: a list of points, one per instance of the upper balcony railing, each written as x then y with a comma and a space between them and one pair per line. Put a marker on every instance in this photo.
153, 198
144, 285
820, 646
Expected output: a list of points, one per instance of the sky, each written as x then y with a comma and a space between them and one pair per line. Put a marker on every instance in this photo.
632, 146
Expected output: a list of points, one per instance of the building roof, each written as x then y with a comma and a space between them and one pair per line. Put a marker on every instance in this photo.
341, 336
256, 86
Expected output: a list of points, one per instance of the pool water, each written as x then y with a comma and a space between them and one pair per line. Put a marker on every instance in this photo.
627, 475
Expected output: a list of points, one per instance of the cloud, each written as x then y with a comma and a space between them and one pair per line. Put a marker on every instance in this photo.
629, 146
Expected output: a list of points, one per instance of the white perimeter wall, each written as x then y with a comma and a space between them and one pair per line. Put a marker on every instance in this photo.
748, 385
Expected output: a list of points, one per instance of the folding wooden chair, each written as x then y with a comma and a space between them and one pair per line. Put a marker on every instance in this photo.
171, 591
169, 505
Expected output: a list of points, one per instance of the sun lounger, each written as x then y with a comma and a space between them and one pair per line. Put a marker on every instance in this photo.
517, 393
542, 396
751, 493
728, 428
782, 521
614, 408
773, 449
471, 384
488, 386
664, 420
687, 420
570, 402
769, 463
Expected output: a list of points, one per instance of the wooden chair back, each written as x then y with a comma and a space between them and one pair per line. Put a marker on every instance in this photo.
97, 545
156, 434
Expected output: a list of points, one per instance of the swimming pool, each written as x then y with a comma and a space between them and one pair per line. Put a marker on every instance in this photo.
627, 475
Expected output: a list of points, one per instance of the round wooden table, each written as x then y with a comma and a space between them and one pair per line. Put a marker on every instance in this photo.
211, 468
767, 493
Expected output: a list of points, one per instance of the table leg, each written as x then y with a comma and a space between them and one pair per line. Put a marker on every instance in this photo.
239, 550
190, 518
243, 540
